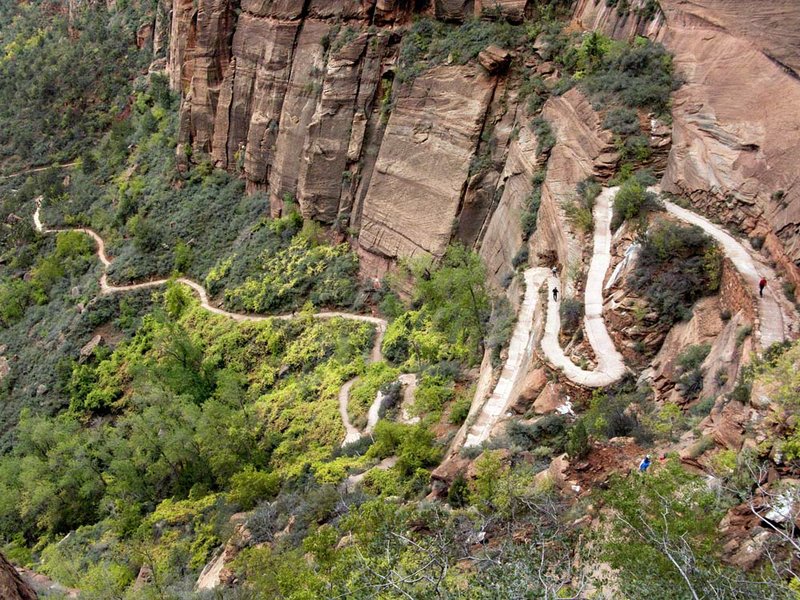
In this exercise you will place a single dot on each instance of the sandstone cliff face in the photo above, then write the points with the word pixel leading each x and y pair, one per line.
pixel 732 156
pixel 583 150
pixel 413 200
pixel 300 98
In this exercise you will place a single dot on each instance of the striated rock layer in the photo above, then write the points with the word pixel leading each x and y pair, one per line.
pixel 300 98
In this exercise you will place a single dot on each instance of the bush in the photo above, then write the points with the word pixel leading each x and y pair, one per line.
pixel 458 493
pixel 632 201
pixel 429 42
pixel 459 411
pixel 689 361
pixel 622 121
pixel 545 137
pixel 520 258
pixel 702 408
pixel 248 487
pixel 571 311
pixel 578 441
pixel 677 266
pixel 548 430
pixel 530 214
pixel 743 333
pixel 638 76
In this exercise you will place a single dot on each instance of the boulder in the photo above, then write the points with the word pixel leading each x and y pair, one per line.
pixel 495 59
pixel 549 400
pixel 12 587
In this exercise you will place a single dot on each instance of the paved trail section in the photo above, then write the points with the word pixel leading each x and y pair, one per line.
pixel 520 347
pixel 610 365
pixel 774 322
pixel 351 433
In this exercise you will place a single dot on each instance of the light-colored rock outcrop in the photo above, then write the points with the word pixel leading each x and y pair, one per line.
pixel 418 183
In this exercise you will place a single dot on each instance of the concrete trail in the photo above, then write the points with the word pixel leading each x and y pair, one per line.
pixel 610 365
pixel 351 433
pixel 519 348
pixel 773 319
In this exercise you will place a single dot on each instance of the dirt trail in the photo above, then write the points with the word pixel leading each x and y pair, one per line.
pixel 352 434
pixel 38 169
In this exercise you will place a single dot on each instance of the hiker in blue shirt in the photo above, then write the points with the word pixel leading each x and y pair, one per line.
pixel 644 464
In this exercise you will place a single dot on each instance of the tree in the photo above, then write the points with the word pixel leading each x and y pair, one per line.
pixel 455 292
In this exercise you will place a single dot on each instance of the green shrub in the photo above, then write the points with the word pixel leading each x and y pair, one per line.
pixel 458 492
pixel 632 201
pixel 530 213
pixel 702 408
pixel 689 361
pixel 459 410
pixel 578 441
pixel 622 121
pixel 430 42
pixel 673 269
pixel 571 311
pixel 520 258
pixel 547 430
pixel 249 487
pixel 637 76
pixel 545 137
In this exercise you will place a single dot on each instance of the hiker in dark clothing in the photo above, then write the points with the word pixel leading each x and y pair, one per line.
pixel 761 285
pixel 555 294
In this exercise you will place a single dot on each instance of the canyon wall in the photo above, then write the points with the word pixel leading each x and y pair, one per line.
pixel 736 118
pixel 306 100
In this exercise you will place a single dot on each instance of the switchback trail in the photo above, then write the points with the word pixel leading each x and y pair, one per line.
pixel 351 433
pixel 773 320
pixel 519 348
pixel 610 366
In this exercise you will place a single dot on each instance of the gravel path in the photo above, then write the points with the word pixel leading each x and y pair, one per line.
pixel 351 433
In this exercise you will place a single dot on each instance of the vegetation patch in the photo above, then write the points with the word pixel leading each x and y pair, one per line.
pixel 677 265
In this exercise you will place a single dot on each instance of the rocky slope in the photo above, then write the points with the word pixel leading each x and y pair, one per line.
pixel 12 587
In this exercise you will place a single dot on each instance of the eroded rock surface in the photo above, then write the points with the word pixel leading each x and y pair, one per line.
pixel 418 184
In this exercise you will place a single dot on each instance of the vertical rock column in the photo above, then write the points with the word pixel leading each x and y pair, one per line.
pixel 319 186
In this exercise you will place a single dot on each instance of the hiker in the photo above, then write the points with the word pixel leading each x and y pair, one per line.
pixel 554 271
pixel 555 294
pixel 644 464
pixel 761 285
